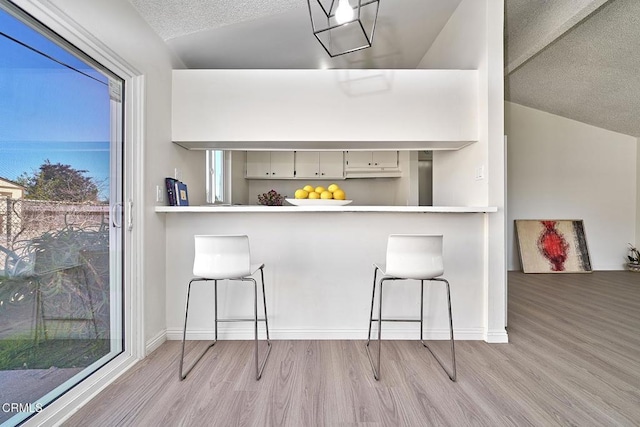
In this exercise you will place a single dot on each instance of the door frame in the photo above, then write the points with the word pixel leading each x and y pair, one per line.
pixel 133 218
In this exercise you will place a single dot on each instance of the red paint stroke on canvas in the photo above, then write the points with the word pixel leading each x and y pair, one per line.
pixel 553 245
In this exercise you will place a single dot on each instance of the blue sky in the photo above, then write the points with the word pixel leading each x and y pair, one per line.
pixel 48 111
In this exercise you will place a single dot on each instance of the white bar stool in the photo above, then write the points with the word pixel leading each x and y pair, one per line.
pixel 226 258
pixel 417 257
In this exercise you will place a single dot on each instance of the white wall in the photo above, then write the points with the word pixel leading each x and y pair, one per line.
pixel 461 45
pixel 563 169
pixel 496 279
pixel 473 39
pixel 117 25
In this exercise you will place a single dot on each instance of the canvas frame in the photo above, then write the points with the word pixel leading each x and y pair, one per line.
pixel 553 246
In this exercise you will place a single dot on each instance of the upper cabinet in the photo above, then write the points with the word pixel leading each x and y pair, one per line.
pixel 270 164
pixel 371 164
pixel 325 109
pixel 322 164
pixel 371 159
pixel 319 164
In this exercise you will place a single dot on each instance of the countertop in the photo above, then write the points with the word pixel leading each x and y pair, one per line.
pixel 347 208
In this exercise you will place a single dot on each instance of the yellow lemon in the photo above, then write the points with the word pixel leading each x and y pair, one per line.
pixel 301 194
pixel 308 188
pixel 339 195
pixel 320 189
pixel 314 195
pixel 333 187
pixel 326 194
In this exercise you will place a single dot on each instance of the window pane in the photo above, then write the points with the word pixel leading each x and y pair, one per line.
pixel 60 255
pixel 216 182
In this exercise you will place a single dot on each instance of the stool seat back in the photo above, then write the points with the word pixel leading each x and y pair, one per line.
pixel 222 257
pixel 414 256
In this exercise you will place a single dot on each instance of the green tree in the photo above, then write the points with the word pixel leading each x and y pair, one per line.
pixel 59 182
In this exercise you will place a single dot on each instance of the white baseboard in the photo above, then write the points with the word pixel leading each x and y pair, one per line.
pixel 155 342
pixel 327 334
pixel 497 337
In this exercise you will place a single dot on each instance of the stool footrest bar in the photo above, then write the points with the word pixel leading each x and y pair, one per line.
pixel 240 320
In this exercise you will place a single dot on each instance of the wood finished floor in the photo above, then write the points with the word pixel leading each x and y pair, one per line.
pixel 573 359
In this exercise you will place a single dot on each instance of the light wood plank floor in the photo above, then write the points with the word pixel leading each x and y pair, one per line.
pixel 573 359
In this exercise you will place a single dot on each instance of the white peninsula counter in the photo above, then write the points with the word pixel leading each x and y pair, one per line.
pixel 319 272
pixel 347 208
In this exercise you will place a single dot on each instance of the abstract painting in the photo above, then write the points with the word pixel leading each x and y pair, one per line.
pixel 553 246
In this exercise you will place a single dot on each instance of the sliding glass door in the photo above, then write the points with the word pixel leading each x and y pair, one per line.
pixel 61 216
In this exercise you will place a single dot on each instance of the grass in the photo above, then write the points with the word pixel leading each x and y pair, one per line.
pixel 59 353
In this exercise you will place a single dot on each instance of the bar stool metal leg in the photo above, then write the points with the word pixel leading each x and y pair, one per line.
pixel 259 366
pixel 421 308
pixel 451 373
pixel 375 366
pixel 255 326
pixel 226 258
pixel 215 306
pixel 255 320
pixel 373 297
pixel 184 334
pixel 377 370
pixel 425 263
pixel 264 303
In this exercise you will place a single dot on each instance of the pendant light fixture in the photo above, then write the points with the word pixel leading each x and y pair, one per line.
pixel 343 26
pixel 344 12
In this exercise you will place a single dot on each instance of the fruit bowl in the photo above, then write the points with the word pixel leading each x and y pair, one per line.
pixel 318 202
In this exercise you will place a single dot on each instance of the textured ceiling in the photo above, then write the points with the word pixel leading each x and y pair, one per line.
pixel 175 18
pixel 590 73
pixel 277 33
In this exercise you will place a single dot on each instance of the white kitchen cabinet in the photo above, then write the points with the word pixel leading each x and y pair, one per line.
pixel 358 159
pixel 371 159
pixel 282 164
pixel 319 164
pixel 258 164
pixel 270 164
pixel 371 164
pixel 385 159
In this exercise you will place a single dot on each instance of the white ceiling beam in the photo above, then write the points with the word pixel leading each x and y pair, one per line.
pixel 549 23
